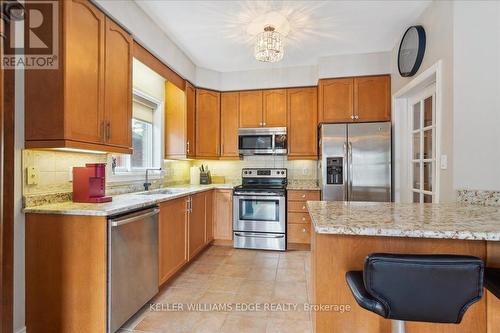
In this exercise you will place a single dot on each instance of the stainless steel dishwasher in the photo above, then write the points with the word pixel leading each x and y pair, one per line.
pixel 132 264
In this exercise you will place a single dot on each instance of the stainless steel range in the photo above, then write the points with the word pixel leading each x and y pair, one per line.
pixel 259 210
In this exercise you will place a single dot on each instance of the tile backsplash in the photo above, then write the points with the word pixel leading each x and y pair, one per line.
pixel 54 172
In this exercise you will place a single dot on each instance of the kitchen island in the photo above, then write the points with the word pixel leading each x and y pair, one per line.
pixel 344 233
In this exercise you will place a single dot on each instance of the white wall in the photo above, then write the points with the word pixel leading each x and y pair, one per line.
pixel 147 33
pixel 354 65
pixel 476 103
pixel 437 21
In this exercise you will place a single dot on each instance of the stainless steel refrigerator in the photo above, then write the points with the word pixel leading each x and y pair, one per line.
pixel 355 162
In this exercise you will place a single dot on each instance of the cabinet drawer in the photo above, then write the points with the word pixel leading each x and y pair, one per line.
pixel 297 206
pixel 302 218
pixel 299 233
pixel 303 195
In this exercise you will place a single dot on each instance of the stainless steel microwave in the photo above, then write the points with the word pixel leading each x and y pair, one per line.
pixel 262 141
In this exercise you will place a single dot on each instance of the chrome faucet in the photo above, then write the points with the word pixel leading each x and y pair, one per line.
pixel 147 184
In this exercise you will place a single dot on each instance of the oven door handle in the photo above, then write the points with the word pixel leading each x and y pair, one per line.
pixel 259 197
pixel 248 234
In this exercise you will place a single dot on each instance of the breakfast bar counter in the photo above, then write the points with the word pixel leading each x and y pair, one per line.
pixel 344 233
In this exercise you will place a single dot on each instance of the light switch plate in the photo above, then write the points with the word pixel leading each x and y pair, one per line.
pixel 32 176
pixel 444 162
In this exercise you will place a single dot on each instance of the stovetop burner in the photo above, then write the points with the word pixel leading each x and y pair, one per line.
pixel 263 180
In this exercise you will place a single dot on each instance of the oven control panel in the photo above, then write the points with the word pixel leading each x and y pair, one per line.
pixel 264 173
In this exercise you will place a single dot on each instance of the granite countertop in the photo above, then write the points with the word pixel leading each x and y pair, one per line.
pixel 447 220
pixel 303 185
pixel 124 202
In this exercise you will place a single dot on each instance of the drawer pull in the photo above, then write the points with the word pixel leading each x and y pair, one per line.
pixel 303 219
pixel 303 229
pixel 303 195
pixel 303 207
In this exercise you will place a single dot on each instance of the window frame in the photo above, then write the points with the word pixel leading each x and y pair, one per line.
pixel 129 173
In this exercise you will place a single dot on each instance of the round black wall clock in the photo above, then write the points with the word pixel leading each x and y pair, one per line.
pixel 411 51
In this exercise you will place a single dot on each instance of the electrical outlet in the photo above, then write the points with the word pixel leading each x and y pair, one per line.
pixel 305 171
pixel 444 162
pixel 32 176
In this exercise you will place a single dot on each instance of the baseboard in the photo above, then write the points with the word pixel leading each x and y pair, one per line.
pixel 21 330
pixel 299 246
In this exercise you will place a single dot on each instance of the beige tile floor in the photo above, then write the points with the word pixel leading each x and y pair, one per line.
pixel 223 275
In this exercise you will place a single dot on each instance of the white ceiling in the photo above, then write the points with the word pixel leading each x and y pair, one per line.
pixel 214 33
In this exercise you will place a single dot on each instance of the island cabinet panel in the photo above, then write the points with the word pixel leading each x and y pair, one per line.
pixel 172 237
pixel 223 215
pixel 302 123
pixel 196 224
pixel 336 100
pixel 65 273
pixel 251 109
pixel 493 303
pixel 86 102
pixel 372 98
pixel 207 123
pixel 274 108
pixel 334 255
pixel 229 117
pixel 118 86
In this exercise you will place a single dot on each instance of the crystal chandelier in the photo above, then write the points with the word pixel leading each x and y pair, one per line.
pixel 269 45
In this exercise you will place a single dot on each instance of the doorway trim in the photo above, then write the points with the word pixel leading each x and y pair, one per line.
pixel 401 141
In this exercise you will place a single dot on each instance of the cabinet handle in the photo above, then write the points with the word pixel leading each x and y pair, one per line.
pixel 187 147
pixel 356 117
pixel 303 229
pixel 303 219
pixel 304 207
pixel 108 131
pixel 264 124
pixel 260 124
pixel 303 195
pixel 352 116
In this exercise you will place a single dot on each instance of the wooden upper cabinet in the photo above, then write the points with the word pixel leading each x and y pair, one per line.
pixel 191 120
pixel 336 100
pixel 207 123
pixel 251 109
pixel 86 102
pixel 302 123
pixel 229 115
pixel 274 113
pixel 372 98
pixel 172 237
pixel 175 122
pixel 84 76
pixel 118 86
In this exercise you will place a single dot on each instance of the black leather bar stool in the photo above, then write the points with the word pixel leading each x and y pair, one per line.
pixel 492 280
pixel 424 288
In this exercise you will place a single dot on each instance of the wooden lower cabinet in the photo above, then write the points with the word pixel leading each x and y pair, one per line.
pixel 196 225
pixel 209 225
pixel 223 215
pixel 65 273
pixel 298 219
pixel 172 237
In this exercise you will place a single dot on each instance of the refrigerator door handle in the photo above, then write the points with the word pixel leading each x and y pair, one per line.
pixel 345 179
pixel 349 158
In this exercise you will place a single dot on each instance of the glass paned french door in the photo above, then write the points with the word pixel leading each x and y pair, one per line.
pixel 423 149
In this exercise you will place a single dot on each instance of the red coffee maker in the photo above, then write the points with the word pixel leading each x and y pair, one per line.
pixel 89 183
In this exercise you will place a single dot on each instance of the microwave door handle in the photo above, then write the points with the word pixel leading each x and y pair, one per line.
pixel 273 143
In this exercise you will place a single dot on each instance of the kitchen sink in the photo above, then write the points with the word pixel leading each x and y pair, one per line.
pixel 163 191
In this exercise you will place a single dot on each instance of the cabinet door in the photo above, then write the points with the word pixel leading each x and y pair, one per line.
pixel 223 215
pixel 172 237
pixel 229 112
pixel 207 123
pixel 302 123
pixel 175 121
pixel 118 86
pixel 209 223
pixel 336 100
pixel 251 108
pixel 84 75
pixel 372 101
pixel 191 120
pixel 274 108
pixel 196 225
